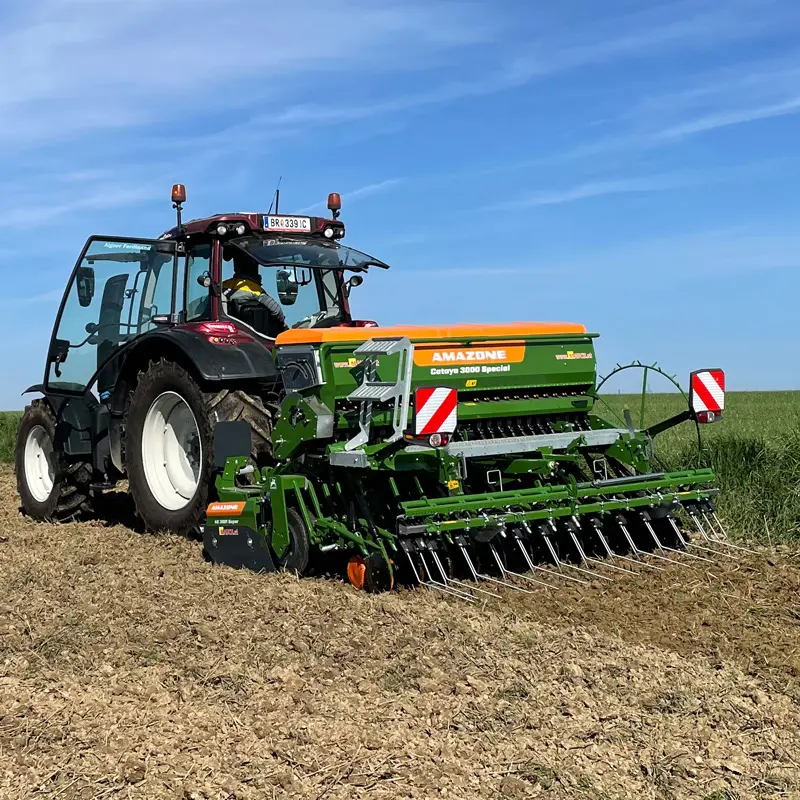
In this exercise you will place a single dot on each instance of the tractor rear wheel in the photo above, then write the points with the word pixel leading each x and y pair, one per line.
pixel 169 435
pixel 50 488
pixel 169 449
pixel 235 405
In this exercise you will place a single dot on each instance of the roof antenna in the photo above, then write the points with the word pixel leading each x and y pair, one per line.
pixel 277 197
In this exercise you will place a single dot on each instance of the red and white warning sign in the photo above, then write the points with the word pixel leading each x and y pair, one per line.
pixel 435 410
pixel 708 391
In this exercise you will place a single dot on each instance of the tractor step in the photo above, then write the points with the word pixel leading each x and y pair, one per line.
pixel 377 392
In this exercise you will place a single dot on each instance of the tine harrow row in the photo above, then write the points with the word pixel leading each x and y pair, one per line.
pixel 475 563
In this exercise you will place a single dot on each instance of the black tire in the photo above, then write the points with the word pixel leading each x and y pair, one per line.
pixel 69 497
pixel 160 377
pixel 379 577
pixel 234 405
pixel 295 559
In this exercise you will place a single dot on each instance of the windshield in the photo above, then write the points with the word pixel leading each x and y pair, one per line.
pixel 306 252
pixel 280 294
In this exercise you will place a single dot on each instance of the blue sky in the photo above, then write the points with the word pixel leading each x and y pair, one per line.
pixel 630 165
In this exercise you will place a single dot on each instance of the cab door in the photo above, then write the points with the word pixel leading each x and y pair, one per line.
pixel 118 289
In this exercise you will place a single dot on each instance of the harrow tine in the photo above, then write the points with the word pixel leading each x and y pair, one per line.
pixel 528 578
pixel 607 547
pixel 558 562
pixel 466 587
pixel 671 549
pixel 714 533
pixel 715 539
pixel 448 581
pixel 582 553
pixel 640 553
pixel 476 576
pixel 465 553
pixel 727 543
pixel 436 585
pixel 503 572
pixel 720 534
pixel 688 544
pixel 533 567
pixel 719 524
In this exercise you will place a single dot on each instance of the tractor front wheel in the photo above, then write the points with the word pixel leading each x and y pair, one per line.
pixel 169 449
pixel 50 488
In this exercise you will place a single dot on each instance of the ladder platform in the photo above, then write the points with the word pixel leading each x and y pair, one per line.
pixel 375 392
pixel 385 347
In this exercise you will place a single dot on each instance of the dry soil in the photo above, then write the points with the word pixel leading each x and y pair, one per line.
pixel 130 668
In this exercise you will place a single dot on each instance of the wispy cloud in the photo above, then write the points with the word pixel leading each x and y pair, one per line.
pixel 583 191
pixel 717 99
pixel 101 195
pixel 712 253
pixel 357 194
pixel 682 26
pixel 726 118
pixel 71 66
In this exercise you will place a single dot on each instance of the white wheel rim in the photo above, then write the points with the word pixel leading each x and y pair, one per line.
pixel 40 473
pixel 172 452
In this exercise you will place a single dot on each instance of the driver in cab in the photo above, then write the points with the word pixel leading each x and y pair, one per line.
pixel 244 288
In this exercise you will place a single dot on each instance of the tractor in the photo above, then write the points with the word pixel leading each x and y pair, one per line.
pixel 218 369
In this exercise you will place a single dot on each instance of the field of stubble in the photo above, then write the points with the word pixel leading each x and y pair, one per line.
pixel 130 668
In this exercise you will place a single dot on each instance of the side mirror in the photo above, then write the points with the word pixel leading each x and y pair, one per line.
pixel 287 287
pixel 84 281
pixel 355 280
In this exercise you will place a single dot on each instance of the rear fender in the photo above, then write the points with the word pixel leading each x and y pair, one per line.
pixel 81 426
pixel 209 361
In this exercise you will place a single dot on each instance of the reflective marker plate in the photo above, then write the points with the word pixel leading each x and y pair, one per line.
pixel 292 224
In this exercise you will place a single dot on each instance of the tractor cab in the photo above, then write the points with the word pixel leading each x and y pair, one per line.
pixel 267 273
pixel 230 279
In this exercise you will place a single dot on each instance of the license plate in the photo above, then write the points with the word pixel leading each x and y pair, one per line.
pixel 292 224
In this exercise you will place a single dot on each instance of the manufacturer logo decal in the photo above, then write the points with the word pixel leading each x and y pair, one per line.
pixel 474 359
pixel 225 509
pixel 351 363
